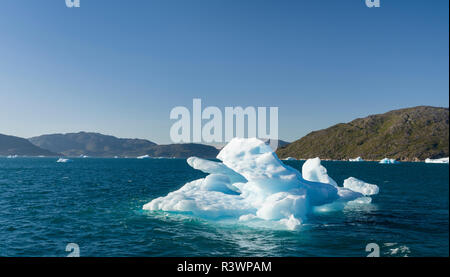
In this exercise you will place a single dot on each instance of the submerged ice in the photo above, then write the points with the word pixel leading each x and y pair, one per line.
pixel 252 184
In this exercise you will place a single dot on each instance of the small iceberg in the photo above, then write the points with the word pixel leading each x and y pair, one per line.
pixel 62 160
pixel 143 157
pixel 290 159
pixel 389 161
pixel 12 156
pixel 252 186
pixel 437 161
pixel 358 159
pixel 84 156
pixel 360 186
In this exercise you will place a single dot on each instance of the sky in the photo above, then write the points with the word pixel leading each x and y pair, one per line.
pixel 118 67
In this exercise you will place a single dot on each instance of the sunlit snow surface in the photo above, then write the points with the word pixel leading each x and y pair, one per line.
pixel 252 185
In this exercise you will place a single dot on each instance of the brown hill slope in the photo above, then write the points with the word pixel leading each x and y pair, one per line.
pixel 407 134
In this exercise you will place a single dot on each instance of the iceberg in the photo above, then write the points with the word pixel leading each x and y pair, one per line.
pixel 62 160
pixel 437 161
pixel 360 186
pixel 143 157
pixel 358 159
pixel 290 159
pixel 12 156
pixel 389 161
pixel 313 171
pixel 250 184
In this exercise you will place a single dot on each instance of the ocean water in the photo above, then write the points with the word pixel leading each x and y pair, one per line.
pixel 97 204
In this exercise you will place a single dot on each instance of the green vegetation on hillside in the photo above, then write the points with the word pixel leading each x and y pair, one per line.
pixel 409 134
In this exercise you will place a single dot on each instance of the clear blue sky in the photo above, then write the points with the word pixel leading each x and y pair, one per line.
pixel 119 66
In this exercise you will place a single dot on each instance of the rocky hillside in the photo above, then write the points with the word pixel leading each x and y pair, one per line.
pixel 10 145
pixel 408 134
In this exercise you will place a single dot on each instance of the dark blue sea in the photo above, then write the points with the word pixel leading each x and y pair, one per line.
pixel 97 204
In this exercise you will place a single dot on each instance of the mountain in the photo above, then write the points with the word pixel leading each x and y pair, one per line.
pixel 10 145
pixel 91 144
pixel 409 134
pixel 183 150
pixel 99 145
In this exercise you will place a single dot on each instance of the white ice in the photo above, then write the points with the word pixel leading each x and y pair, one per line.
pixel 143 157
pixel 251 184
pixel 437 161
pixel 358 159
pixel 62 160
pixel 313 171
pixel 360 186
pixel 290 159
pixel 388 161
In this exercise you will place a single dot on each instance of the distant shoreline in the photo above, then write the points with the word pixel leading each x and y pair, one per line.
pixel 183 158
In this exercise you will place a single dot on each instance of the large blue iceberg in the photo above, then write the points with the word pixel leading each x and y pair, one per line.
pixel 252 184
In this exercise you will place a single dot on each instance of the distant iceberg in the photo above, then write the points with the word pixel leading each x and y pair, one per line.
pixel 84 156
pixel 437 161
pixel 143 157
pixel 12 156
pixel 389 161
pixel 252 186
pixel 290 159
pixel 62 160
pixel 359 159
